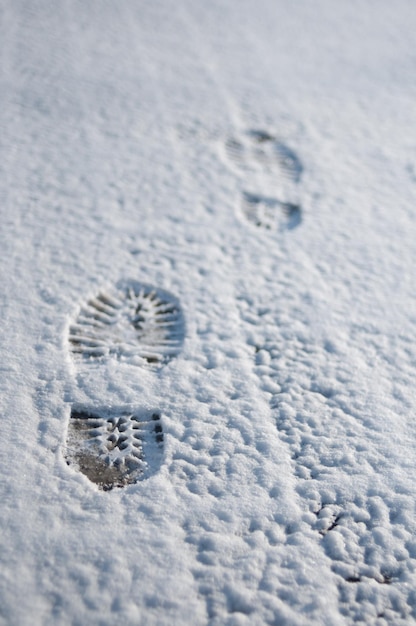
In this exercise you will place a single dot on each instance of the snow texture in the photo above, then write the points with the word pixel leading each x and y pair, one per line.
pixel 208 312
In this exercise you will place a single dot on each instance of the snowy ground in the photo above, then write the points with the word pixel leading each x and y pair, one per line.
pixel 254 163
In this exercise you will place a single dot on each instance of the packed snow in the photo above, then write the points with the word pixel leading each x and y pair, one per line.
pixel 208 312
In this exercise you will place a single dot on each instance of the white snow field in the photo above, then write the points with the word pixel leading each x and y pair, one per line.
pixel 208 363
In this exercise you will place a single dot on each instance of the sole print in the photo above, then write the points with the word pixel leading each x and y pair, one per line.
pixel 139 325
pixel 271 173
pixel 133 322
pixel 361 529
pixel 114 448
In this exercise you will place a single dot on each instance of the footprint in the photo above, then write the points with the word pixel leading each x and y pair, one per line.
pixel 272 172
pixel 260 147
pixel 269 213
pixel 140 325
pixel 114 448
pixel 133 321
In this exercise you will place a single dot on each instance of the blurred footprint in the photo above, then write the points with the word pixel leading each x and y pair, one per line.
pixel 271 172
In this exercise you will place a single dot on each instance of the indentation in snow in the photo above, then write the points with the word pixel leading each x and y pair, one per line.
pixel 114 448
pixel 130 321
pixel 272 172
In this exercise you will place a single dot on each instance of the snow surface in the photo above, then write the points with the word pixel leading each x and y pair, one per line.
pixel 285 493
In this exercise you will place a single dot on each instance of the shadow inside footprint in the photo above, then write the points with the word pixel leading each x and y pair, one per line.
pixel 114 448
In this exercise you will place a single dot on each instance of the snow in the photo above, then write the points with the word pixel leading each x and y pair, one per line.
pixel 253 164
